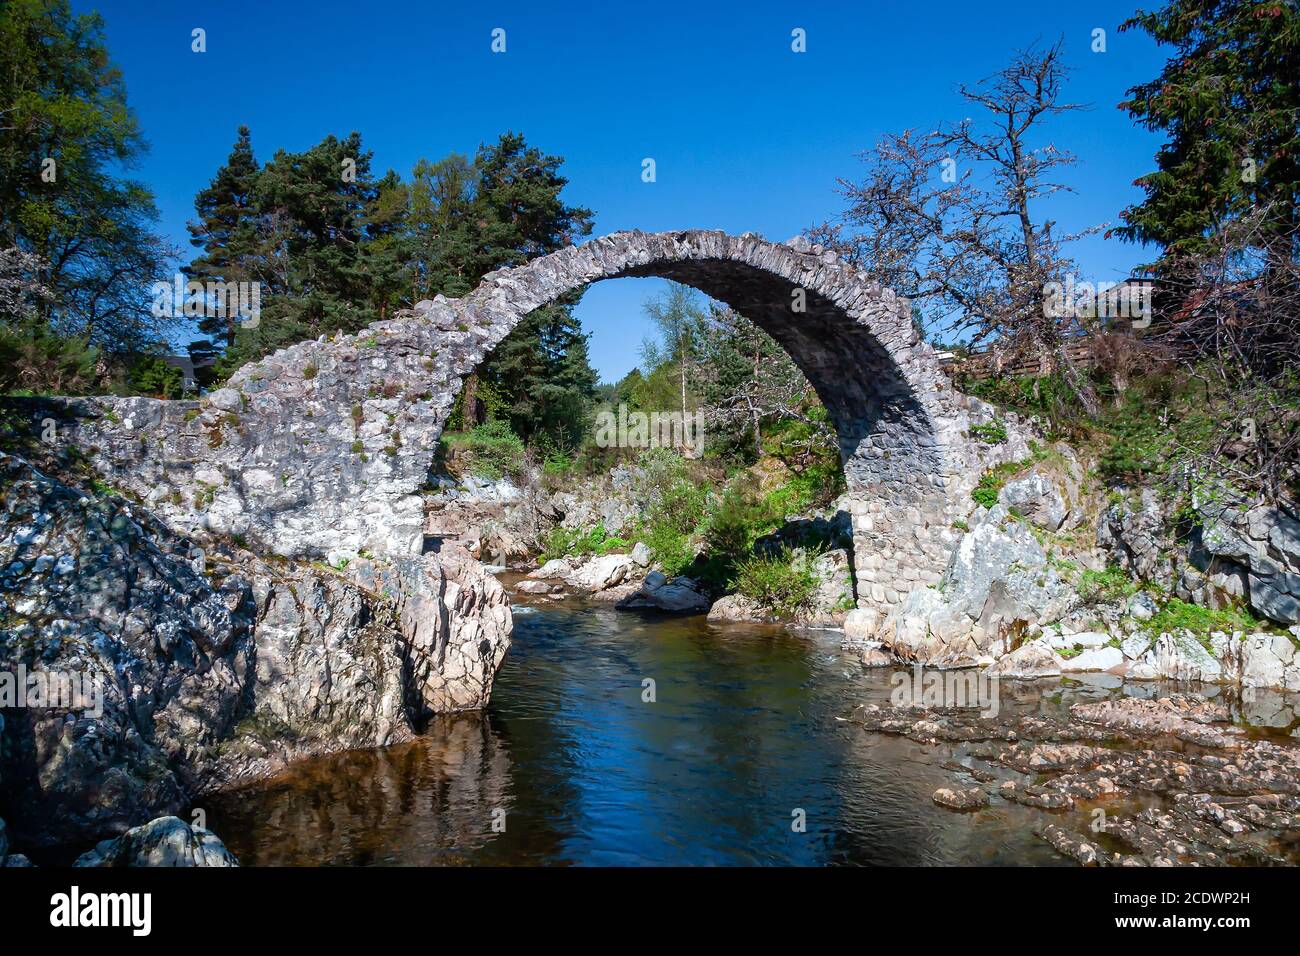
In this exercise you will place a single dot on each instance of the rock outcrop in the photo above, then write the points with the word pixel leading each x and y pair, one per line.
pixel 998 583
pixel 152 671
pixel 1236 552
pixel 98 596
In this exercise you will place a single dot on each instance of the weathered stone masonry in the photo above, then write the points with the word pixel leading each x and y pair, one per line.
pixel 323 447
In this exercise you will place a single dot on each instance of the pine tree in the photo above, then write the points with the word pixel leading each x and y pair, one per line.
pixel 227 232
pixel 1227 99
pixel 317 212
pixel 503 211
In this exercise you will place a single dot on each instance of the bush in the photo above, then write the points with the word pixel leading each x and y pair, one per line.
pixel 149 375
pixel 990 433
pixel 570 542
pixel 1177 615
pixel 493 450
pixel 1105 587
pixel 36 360
pixel 783 582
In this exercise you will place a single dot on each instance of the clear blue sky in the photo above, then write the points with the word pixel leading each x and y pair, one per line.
pixel 746 134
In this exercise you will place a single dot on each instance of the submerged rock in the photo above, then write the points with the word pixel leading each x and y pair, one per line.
pixel 1229 799
pixel 972 798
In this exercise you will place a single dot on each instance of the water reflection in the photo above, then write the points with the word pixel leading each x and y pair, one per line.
pixel 742 739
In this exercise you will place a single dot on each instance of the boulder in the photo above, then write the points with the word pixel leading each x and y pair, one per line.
pixel 875 654
pixel 972 798
pixel 1028 661
pixel 532 587
pixel 641 554
pixel 454 621
pixel 1035 497
pixel 999 574
pixel 164 842
pixel 1142 606
pixel 861 624
pixel 1097 659
pixel 1269 660
pixel 1241 552
pixel 602 573
pixel 996 586
pixel 737 608
pixel 553 569
pixel 1136 539
pixel 680 595
pixel 1177 656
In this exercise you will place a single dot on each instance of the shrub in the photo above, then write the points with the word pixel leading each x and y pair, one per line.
pixel 783 582
pixel 1106 586
pixel 494 450
pixel 990 433
pixel 150 375
pixel 1177 615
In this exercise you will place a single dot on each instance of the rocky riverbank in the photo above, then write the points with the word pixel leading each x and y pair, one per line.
pixel 1050 574
pixel 1123 782
pixel 156 670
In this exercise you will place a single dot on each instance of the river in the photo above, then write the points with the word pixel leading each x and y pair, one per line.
pixel 743 756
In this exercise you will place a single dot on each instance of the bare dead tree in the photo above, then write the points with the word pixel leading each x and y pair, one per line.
pixel 947 219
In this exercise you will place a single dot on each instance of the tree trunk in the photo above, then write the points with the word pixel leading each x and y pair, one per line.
pixel 474 412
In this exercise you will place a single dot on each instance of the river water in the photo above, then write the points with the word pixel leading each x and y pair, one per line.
pixel 742 757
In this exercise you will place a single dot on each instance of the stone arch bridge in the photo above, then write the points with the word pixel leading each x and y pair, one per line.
pixel 324 447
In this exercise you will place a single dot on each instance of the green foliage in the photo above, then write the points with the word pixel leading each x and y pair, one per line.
pixel 1227 95
pixel 1049 398
pixel 1176 615
pixel 62 99
pixel 990 484
pixel 228 232
pixel 1106 586
pixel 676 505
pixel 493 450
pixel 571 542
pixel 990 433
pixel 36 360
pixel 150 375
pixel 784 581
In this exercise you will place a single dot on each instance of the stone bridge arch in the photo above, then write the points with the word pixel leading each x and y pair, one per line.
pixel 323 447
